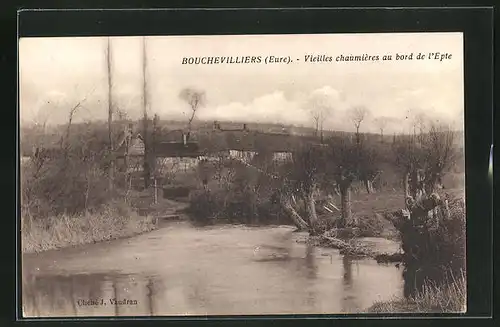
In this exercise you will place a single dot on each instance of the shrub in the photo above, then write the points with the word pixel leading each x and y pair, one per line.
pixel 211 206
pixel 376 226
pixel 203 206
pixel 63 185
pixel 434 246
pixel 234 194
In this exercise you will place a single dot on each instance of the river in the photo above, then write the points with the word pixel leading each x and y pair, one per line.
pixel 179 269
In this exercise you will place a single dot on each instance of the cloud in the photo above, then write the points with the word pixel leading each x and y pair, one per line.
pixel 328 94
pixel 275 107
pixel 269 108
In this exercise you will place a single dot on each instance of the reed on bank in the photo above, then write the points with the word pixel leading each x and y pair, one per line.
pixel 448 297
pixel 110 221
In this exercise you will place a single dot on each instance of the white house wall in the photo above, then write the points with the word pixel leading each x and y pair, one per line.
pixel 243 155
pixel 174 165
pixel 282 156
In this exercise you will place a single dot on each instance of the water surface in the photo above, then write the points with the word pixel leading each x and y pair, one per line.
pixel 182 270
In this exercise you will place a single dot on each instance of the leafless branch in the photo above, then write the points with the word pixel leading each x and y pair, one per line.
pixel 357 115
pixel 72 112
pixel 195 99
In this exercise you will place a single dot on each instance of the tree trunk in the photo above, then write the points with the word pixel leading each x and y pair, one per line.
pixel 406 185
pixel 297 219
pixel 87 191
pixel 337 189
pixel 414 184
pixel 368 186
pixel 303 202
pixel 145 115
pixel 311 208
pixel 430 184
pixel 345 201
pixel 424 205
pixel 110 118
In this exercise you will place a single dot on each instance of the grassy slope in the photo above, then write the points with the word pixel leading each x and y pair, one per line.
pixel 111 222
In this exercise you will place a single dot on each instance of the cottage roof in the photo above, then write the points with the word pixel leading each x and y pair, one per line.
pixel 256 141
pixel 172 136
pixel 177 149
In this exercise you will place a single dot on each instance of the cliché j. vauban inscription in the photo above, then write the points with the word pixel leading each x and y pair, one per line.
pixel 104 302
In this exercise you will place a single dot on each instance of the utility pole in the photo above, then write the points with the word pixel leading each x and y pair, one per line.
pixel 145 108
pixel 110 116
pixel 153 150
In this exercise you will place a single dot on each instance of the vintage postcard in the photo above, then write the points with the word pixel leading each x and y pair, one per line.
pixel 242 174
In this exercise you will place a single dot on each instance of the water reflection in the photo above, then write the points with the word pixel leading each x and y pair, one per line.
pixel 88 295
pixel 216 271
pixel 347 265
pixel 349 303
pixel 312 269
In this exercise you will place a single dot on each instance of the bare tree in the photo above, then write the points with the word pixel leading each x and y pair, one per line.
pixel 154 139
pixel 195 99
pixel 41 119
pixel 441 155
pixel 146 168
pixel 71 115
pixel 110 114
pixel 318 121
pixel 121 114
pixel 303 178
pixel 320 107
pixel 368 163
pixel 417 120
pixel 289 181
pixel 357 115
pixel 343 168
pixel 420 122
pixel 381 123
pixel 424 164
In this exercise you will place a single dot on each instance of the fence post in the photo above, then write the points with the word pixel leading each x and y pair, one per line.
pixel 156 191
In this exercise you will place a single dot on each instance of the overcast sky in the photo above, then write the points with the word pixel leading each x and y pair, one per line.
pixel 56 73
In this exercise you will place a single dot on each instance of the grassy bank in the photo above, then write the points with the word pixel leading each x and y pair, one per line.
pixel 446 298
pixel 111 221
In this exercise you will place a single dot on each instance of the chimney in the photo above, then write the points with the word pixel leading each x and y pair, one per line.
pixel 244 127
pixel 184 138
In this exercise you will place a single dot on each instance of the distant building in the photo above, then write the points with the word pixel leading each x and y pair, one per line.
pixel 246 156
pixel 217 127
pixel 182 149
pixel 165 155
pixel 282 156
pixel 244 144
pixel 175 156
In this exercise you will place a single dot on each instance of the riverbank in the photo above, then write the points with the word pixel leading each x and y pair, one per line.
pixel 448 298
pixel 112 221
pixel 349 242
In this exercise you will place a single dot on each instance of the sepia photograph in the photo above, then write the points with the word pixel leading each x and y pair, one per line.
pixel 229 175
